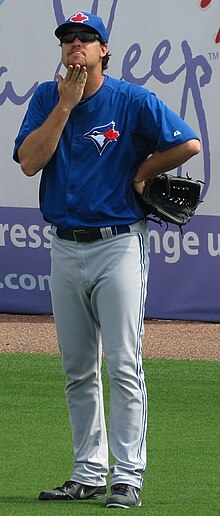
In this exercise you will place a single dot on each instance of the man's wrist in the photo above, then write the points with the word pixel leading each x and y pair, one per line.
pixel 139 181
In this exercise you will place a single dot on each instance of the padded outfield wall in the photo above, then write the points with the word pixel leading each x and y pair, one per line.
pixel 169 47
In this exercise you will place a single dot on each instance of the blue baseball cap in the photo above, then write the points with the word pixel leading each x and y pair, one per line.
pixel 86 20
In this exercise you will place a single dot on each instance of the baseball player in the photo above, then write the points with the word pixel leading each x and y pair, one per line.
pixel 97 139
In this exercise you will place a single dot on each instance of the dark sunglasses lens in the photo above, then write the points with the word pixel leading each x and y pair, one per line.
pixel 83 36
pixel 87 36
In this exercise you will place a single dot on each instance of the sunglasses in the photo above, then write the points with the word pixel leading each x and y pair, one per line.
pixel 84 37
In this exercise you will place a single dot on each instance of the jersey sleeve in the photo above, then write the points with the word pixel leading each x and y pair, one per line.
pixel 160 125
pixel 39 108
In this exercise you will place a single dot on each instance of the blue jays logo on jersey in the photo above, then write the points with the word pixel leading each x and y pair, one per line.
pixel 103 135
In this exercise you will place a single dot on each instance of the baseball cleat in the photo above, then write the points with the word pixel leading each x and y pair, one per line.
pixel 124 496
pixel 74 491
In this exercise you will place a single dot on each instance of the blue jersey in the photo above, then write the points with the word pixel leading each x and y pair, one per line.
pixel 88 180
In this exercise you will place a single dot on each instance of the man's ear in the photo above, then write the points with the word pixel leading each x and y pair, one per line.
pixel 104 49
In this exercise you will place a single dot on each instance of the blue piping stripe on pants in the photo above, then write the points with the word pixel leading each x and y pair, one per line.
pixel 139 369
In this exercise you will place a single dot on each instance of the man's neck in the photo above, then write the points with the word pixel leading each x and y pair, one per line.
pixel 92 86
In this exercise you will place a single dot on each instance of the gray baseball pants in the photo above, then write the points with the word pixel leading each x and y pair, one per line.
pixel 98 296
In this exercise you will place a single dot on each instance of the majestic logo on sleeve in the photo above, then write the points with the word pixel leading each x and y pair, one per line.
pixel 103 135
pixel 79 18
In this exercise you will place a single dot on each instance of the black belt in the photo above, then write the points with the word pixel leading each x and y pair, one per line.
pixel 92 234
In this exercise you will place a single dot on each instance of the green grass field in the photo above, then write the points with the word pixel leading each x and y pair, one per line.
pixel 183 475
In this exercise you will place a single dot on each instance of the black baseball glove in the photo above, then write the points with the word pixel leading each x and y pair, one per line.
pixel 170 199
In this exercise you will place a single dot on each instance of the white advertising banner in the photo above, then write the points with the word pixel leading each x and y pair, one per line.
pixel 169 47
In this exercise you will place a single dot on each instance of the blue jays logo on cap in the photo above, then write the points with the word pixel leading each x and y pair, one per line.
pixel 92 21
pixel 79 18
pixel 103 135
